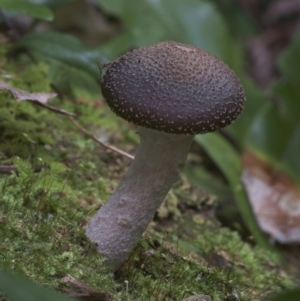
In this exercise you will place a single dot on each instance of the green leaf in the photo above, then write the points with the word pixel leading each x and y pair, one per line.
pixel 242 24
pixel 289 63
pixel 117 46
pixel 228 160
pixel 290 295
pixel 196 22
pixel 65 48
pixel 114 7
pixel 275 135
pixel 255 101
pixel 25 7
pixel 18 288
pixel 70 61
pixel 200 177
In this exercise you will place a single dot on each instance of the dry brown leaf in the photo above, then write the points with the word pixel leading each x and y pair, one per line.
pixel 275 200
pixel 39 98
pixel 20 95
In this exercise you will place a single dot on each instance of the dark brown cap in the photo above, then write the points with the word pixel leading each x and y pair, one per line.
pixel 174 88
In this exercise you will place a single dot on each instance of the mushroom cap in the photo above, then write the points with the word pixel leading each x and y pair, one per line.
pixel 174 88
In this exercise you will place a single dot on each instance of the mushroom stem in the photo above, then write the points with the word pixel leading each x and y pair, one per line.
pixel 119 224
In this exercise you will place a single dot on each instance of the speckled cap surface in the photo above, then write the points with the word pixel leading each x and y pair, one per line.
pixel 174 88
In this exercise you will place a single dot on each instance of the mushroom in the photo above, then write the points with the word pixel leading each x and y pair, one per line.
pixel 171 91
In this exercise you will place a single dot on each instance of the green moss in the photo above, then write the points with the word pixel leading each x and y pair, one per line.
pixel 221 268
pixel 42 215
pixel 257 271
pixel 154 273
pixel 32 78
pixel 42 228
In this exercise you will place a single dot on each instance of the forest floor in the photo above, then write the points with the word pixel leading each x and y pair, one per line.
pixel 53 178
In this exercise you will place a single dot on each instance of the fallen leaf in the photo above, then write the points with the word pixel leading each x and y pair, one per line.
pixel 20 95
pixel 39 98
pixel 275 199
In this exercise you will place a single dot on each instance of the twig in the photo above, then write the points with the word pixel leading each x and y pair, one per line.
pixel 87 292
pixel 42 99
pixel 88 134
pixel 54 109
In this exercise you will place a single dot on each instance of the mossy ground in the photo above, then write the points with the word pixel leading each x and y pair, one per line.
pixel 63 177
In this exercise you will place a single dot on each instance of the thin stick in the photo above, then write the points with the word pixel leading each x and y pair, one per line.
pixel 88 134
pixel 88 291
